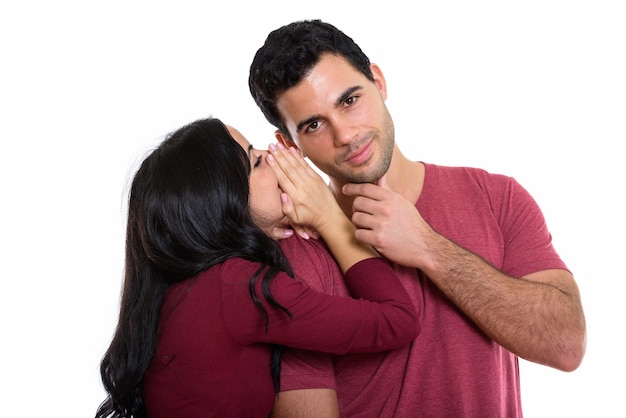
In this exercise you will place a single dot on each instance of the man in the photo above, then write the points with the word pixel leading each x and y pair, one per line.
pixel 474 245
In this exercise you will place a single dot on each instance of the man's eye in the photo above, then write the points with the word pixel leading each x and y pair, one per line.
pixel 350 100
pixel 313 127
pixel 258 161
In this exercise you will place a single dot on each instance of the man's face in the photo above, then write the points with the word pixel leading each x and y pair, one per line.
pixel 339 120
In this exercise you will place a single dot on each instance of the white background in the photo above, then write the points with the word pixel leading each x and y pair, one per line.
pixel 532 89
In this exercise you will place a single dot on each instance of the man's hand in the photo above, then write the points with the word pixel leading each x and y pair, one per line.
pixel 389 223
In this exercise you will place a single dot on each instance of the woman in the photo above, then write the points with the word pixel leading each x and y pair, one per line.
pixel 209 297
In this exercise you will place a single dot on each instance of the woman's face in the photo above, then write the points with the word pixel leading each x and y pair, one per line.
pixel 264 191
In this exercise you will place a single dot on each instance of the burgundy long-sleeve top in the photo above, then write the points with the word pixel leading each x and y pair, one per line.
pixel 213 351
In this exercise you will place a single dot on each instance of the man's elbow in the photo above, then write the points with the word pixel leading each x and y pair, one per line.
pixel 572 356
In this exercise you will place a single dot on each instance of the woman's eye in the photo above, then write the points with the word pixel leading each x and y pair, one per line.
pixel 258 161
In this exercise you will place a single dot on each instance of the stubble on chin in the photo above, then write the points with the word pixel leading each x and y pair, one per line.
pixel 373 172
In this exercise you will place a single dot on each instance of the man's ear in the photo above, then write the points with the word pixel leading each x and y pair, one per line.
pixel 282 138
pixel 379 80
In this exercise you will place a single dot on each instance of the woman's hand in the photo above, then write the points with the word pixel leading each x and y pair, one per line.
pixel 286 230
pixel 307 201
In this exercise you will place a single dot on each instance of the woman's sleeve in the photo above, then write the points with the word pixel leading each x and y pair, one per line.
pixel 380 317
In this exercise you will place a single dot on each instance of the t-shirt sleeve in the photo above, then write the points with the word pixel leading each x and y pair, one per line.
pixel 491 215
pixel 527 240
pixel 304 369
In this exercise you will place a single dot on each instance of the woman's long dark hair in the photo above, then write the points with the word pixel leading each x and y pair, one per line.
pixel 188 210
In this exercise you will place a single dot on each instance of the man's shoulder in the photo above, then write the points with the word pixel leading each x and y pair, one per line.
pixel 313 264
pixel 449 176
pixel 296 246
pixel 463 171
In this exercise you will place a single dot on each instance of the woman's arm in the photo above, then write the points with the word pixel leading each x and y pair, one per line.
pixel 381 316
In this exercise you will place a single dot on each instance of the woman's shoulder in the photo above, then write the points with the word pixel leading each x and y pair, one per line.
pixel 236 268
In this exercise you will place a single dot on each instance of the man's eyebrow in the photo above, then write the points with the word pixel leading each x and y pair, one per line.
pixel 347 94
pixel 342 98
pixel 306 122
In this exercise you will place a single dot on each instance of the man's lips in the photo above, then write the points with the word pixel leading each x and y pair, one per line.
pixel 361 155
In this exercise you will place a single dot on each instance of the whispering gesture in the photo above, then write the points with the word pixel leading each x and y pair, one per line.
pixel 307 200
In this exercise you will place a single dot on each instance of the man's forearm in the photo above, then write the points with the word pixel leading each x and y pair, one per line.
pixel 539 317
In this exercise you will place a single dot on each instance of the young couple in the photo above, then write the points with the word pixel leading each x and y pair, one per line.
pixel 215 316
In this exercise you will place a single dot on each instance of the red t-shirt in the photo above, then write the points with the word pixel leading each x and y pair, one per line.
pixel 451 369
pixel 213 352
